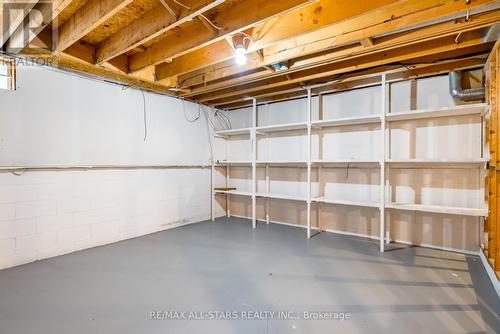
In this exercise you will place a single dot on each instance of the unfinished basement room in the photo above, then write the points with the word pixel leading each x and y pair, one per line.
pixel 249 166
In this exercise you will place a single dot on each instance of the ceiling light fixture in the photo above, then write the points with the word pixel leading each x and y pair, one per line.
pixel 240 55
pixel 240 49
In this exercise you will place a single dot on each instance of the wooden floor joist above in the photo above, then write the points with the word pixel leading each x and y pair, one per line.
pixel 187 48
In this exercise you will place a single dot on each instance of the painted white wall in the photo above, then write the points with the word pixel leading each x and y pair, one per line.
pixel 55 118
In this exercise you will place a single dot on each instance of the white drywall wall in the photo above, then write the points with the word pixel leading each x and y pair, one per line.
pixel 56 118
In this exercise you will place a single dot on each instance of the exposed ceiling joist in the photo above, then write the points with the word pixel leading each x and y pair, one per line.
pixel 78 57
pixel 391 18
pixel 366 77
pixel 309 18
pixel 154 23
pixel 171 8
pixel 91 15
pixel 437 46
pixel 438 30
pixel 366 42
pixel 196 59
pixel 293 43
pixel 241 16
pixel 119 63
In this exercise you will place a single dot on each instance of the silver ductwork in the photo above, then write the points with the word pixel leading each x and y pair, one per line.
pixel 492 34
pixel 459 93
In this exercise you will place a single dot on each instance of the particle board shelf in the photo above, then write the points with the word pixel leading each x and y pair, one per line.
pixel 346 202
pixel 233 132
pixel 369 119
pixel 285 197
pixel 467 109
pixel 475 212
pixel 346 162
pixel 281 127
pixel 437 163
pixel 225 163
pixel 233 192
pixel 301 163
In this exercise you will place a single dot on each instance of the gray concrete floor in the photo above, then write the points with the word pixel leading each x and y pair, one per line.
pixel 227 266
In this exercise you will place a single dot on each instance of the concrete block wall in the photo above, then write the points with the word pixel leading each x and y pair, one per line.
pixel 60 119
pixel 49 213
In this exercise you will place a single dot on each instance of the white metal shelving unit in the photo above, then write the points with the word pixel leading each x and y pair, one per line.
pixel 383 164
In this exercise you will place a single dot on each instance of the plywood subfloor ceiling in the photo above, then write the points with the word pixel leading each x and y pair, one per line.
pixel 185 47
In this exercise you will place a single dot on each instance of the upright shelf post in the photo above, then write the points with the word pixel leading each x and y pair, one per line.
pixel 228 196
pixel 212 204
pixel 268 180
pixel 253 139
pixel 382 162
pixel 309 107
pixel 268 191
pixel 387 156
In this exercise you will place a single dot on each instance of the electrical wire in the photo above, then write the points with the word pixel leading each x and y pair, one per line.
pixel 144 112
pixel 219 120
pixel 182 5
pixel 248 36
pixel 210 137
pixel 211 23
pixel 203 16
pixel 144 115
pixel 185 116
pixel 226 119
pixel 210 120
pixel 226 123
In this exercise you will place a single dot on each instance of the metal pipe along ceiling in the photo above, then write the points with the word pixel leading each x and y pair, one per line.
pixel 457 92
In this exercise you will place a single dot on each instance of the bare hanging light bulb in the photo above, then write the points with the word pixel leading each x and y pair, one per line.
pixel 240 50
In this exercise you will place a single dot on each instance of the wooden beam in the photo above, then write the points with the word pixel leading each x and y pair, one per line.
pixel 91 15
pixel 154 23
pixel 401 15
pixel 16 17
pixel 81 52
pixel 366 42
pixel 186 63
pixel 242 15
pixel 383 43
pixel 472 39
pixel 75 63
pixel 260 55
pixel 492 226
pixel 171 8
pixel 394 73
pixel 119 63
pixel 271 89
pixel 311 17
pixel 270 69
pixel 26 32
